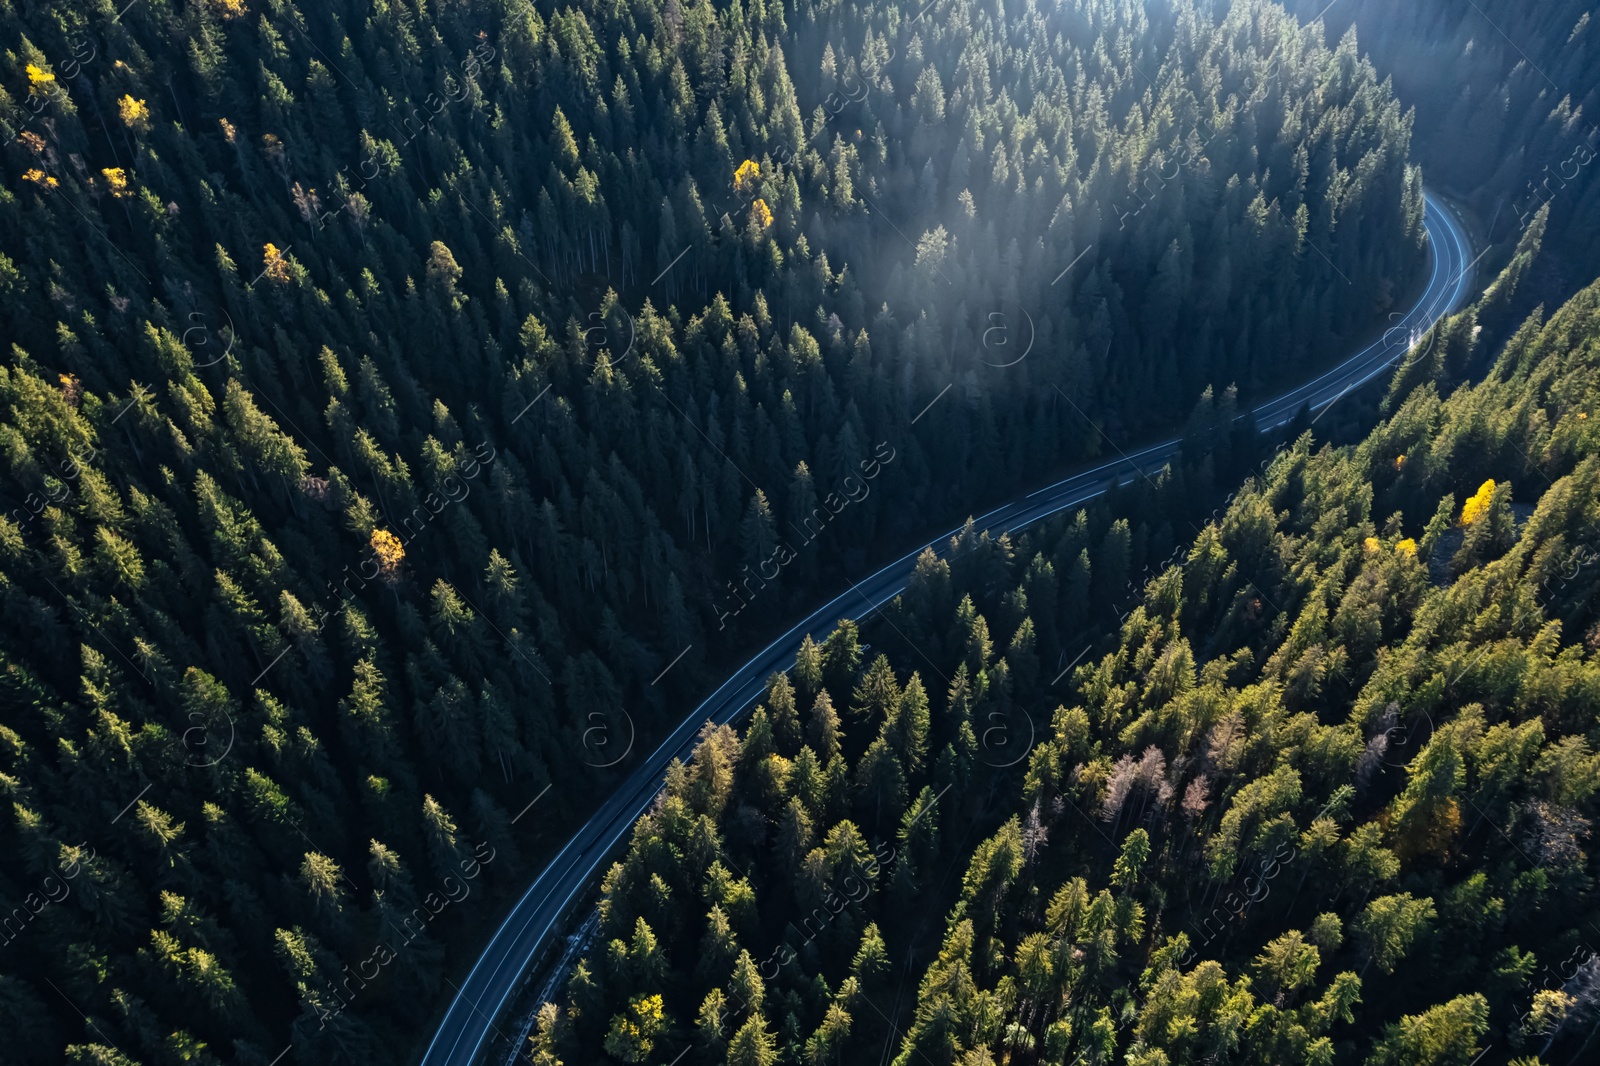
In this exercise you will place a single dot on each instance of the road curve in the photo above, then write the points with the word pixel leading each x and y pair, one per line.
pixel 479 1001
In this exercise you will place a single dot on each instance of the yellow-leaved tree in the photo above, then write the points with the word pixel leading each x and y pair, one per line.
pixel 1478 506
pixel 389 551
pixel 135 114
pixel 632 1035
pixel 274 265
pixel 746 176
pixel 116 181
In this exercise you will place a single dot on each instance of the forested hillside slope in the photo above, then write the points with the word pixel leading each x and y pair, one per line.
pixel 1324 794
pixel 1506 98
pixel 393 391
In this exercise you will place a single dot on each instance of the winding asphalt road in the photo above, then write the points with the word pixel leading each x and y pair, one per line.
pixel 479 1002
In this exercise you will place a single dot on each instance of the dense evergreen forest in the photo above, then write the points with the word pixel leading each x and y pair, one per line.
pixel 1323 793
pixel 1506 97
pixel 393 390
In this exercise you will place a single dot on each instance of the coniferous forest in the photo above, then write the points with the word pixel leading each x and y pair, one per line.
pixel 1323 793
pixel 398 397
pixel 1506 119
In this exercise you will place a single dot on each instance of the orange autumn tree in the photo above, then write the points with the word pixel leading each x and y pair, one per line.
pixel 389 552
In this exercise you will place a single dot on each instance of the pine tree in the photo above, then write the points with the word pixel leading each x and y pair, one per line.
pixel 822 729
